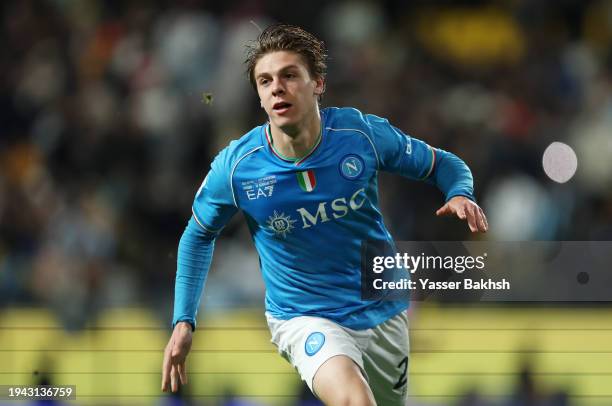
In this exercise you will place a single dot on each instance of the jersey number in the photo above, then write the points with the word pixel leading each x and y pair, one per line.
pixel 403 365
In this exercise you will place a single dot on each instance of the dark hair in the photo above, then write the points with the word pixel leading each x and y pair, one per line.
pixel 285 37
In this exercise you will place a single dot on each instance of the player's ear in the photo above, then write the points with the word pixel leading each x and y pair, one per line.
pixel 261 103
pixel 319 86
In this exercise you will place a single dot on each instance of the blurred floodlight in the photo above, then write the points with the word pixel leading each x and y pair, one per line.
pixel 559 162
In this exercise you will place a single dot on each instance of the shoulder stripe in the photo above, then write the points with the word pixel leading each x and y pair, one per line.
pixel 202 225
pixel 234 170
pixel 433 162
pixel 365 135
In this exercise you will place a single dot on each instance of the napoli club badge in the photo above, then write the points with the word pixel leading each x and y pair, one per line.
pixel 314 343
pixel 351 166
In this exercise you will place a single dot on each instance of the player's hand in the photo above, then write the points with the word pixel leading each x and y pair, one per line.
pixel 465 209
pixel 178 347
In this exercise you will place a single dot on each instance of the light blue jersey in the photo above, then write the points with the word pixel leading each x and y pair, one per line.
pixel 308 217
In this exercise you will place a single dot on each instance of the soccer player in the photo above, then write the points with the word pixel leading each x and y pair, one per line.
pixel 306 182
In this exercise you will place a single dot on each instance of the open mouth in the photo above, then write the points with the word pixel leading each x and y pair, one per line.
pixel 281 107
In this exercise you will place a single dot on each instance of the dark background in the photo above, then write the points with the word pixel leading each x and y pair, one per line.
pixel 106 130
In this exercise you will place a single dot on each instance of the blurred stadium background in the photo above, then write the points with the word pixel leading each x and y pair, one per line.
pixel 111 111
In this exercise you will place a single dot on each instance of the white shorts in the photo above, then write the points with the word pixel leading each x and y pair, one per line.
pixel 381 352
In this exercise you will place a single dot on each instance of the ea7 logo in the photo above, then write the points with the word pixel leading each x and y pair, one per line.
pixel 338 208
pixel 256 188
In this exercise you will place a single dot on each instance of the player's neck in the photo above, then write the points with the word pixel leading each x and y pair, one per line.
pixel 297 141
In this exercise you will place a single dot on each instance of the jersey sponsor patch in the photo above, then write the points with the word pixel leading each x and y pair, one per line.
pixel 258 188
pixel 314 343
pixel 351 166
pixel 281 224
pixel 307 180
pixel 338 208
pixel 408 146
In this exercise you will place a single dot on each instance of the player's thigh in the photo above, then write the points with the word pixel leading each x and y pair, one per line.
pixel 308 342
pixel 340 381
pixel 386 361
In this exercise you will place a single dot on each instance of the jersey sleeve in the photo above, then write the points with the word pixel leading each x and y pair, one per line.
pixel 193 263
pixel 400 153
pixel 212 208
pixel 214 203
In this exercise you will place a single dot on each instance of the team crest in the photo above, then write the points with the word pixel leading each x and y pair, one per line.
pixel 351 166
pixel 313 343
pixel 281 224
pixel 307 180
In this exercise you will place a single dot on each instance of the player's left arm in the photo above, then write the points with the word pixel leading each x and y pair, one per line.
pixel 413 158
pixel 454 178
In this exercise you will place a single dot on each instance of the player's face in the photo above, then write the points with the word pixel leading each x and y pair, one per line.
pixel 287 91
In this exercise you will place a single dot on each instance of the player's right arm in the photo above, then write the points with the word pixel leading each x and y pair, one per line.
pixel 213 207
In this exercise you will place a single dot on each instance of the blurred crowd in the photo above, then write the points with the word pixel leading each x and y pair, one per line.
pixel 111 111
